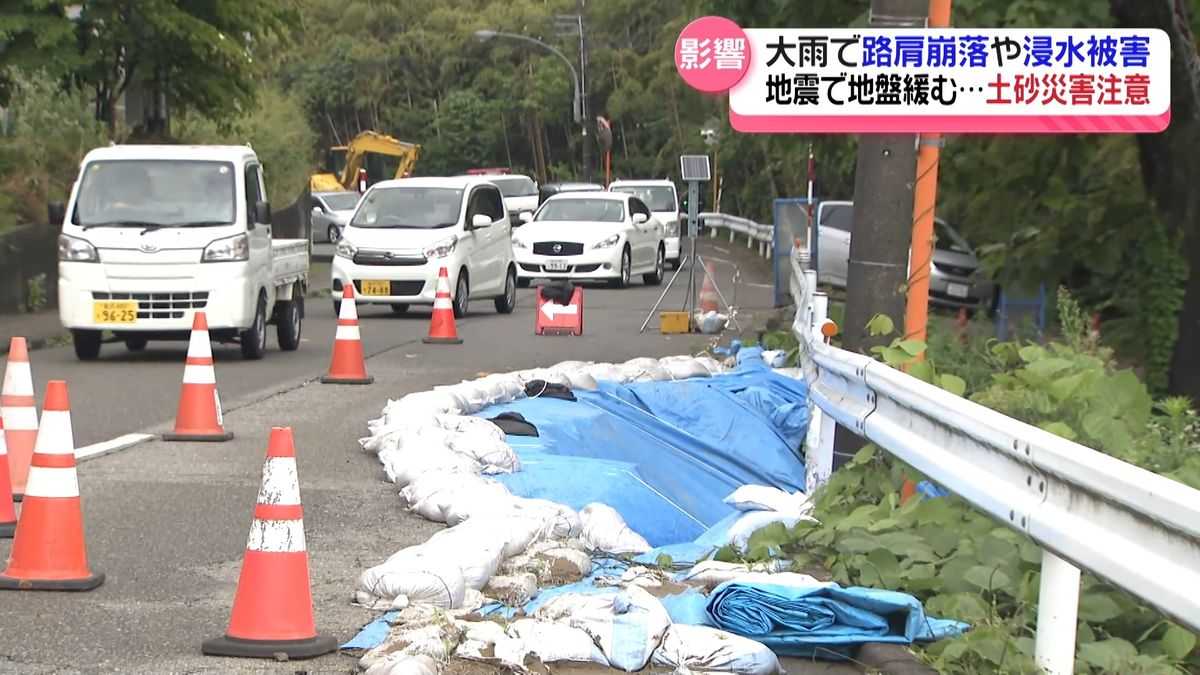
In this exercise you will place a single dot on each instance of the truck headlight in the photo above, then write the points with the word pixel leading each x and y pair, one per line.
pixel 672 228
pixel 229 249
pixel 346 250
pixel 442 248
pixel 610 242
pixel 74 249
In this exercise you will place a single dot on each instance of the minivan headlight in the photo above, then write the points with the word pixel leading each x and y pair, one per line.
pixel 610 242
pixel 229 249
pixel 442 248
pixel 74 249
pixel 346 250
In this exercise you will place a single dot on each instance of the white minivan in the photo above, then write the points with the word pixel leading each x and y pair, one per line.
pixel 404 231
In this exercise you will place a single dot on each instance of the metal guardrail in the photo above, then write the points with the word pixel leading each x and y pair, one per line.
pixel 755 233
pixel 1131 527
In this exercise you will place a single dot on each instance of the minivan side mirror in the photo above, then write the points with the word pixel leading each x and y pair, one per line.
pixel 480 220
pixel 56 213
pixel 639 218
pixel 262 213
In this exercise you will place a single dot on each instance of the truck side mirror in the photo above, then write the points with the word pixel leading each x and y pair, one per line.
pixel 56 213
pixel 262 213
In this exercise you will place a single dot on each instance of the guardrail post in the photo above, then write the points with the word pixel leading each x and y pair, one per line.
pixel 1058 615
pixel 818 442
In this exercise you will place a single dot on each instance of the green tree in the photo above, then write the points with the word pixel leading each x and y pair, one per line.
pixel 36 34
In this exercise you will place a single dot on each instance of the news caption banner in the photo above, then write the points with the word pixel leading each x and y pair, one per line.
pixel 954 80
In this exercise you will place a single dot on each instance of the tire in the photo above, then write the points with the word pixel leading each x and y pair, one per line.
pixel 136 344
pixel 288 324
pixel 462 295
pixel 675 263
pixel 507 302
pixel 254 338
pixel 626 265
pixel 660 264
pixel 87 344
pixel 332 234
pixel 337 307
pixel 400 308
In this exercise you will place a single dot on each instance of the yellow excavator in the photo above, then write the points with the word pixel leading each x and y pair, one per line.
pixel 351 157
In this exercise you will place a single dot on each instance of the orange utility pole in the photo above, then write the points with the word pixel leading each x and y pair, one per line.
pixel 916 313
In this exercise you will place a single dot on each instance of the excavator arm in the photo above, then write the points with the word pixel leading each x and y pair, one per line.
pixel 367 142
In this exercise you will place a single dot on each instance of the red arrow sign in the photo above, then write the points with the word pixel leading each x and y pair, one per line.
pixel 555 319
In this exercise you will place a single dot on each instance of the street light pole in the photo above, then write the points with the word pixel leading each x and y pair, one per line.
pixel 588 173
pixel 578 111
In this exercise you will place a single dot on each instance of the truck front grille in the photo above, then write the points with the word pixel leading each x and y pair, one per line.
pixel 160 305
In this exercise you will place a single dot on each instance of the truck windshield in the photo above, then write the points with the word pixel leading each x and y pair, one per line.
pixel 582 210
pixel 164 193
pixel 420 208
pixel 658 198
pixel 515 186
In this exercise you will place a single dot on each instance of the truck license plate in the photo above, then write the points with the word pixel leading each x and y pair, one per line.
pixel 107 311
pixel 376 287
pixel 956 290
pixel 556 266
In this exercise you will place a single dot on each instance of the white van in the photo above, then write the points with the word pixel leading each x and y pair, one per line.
pixel 404 231
pixel 663 200
pixel 154 233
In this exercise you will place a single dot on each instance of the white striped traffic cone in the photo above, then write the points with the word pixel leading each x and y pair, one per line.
pixel 441 324
pixel 199 415
pixel 19 409
pixel 347 365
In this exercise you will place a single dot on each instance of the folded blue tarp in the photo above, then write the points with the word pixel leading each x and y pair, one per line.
pixel 822 621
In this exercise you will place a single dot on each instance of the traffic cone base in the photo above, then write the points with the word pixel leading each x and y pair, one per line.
pixel 88 583
pixel 347 365
pixel 441 324
pixel 213 438
pixel 199 414
pixel 269 649
pixel 442 340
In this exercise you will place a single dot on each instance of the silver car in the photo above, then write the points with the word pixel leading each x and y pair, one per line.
pixel 330 213
pixel 956 278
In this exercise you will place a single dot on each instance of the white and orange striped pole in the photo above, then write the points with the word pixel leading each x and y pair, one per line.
pixel 199 414
pixel 19 410
pixel 273 610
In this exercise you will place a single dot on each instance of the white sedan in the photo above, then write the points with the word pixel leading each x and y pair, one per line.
pixel 584 236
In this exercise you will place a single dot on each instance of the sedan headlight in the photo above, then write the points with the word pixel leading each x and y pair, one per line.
pixel 610 242
pixel 74 249
pixel 442 249
pixel 346 250
pixel 519 244
pixel 229 249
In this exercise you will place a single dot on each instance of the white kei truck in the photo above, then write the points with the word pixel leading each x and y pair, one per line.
pixel 153 234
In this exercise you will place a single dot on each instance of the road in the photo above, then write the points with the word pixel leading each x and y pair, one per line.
pixel 167 522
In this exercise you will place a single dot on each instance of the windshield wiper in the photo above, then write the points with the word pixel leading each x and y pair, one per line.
pixel 123 223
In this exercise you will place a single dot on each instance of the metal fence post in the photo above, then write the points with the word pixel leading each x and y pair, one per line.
pixel 1058 615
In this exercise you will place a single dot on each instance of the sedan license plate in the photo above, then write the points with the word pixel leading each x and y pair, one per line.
pixel 376 287
pixel 556 266
pixel 956 290
pixel 114 312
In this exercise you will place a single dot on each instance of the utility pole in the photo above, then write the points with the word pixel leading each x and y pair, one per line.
pixel 882 231
pixel 587 117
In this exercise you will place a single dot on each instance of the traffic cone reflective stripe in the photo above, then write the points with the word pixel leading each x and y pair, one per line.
pixel 199 415
pixel 347 365
pixel 441 325
pixel 8 513
pixel 709 302
pixel 48 550
pixel 19 410
pixel 272 610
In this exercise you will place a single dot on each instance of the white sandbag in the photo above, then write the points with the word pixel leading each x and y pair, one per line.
pixel 430 484
pixel 766 498
pixel 713 366
pixel 644 369
pixel 700 648
pixel 513 590
pixel 605 530
pixel 512 533
pixel 571 367
pixel 752 521
pixel 403 664
pixel 563 520
pixel 709 574
pixel 493 455
pixel 683 367
pixel 628 625
pixel 475 426
pixel 634 576
pixel 552 562
pixel 404 468
pixel 604 371
pixel 553 642
pixel 423 403
pixel 440 504
pixel 476 563
pixel 434 640
pixel 478 394
pixel 545 374
pixel 397 583
pixel 487 641
pixel 776 358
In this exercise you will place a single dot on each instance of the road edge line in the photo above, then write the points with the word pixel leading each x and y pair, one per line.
pixel 111 445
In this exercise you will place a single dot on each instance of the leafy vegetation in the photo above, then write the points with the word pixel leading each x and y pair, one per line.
pixel 962 563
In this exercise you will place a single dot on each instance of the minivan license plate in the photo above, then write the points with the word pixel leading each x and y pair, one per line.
pixel 556 266
pixel 956 290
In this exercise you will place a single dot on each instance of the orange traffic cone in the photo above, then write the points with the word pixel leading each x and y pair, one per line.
pixel 199 415
pixel 8 513
pixel 272 611
pixel 441 324
pixel 48 552
pixel 709 301
pixel 347 365
pixel 19 410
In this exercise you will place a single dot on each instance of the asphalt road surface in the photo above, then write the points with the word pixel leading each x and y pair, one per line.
pixel 167 522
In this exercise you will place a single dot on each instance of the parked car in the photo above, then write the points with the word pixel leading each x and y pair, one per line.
pixel 330 213
pixel 956 278
pixel 520 193
pixel 590 236
pixel 152 234
pixel 550 189
pixel 405 230
pixel 663 200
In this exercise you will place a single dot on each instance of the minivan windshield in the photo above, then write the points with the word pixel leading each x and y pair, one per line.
pixel 583 210
pixel 948 239
pixel 515 186
pixel 342 201
pixel 409 207
pixel 657 197
pixel 155 193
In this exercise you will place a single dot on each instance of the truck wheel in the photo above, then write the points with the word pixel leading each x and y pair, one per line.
pixel 87 344
pixel 287 328
pixel 254 338
pixel 136 344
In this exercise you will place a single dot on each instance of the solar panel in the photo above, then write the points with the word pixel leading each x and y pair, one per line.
pixel 695 167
